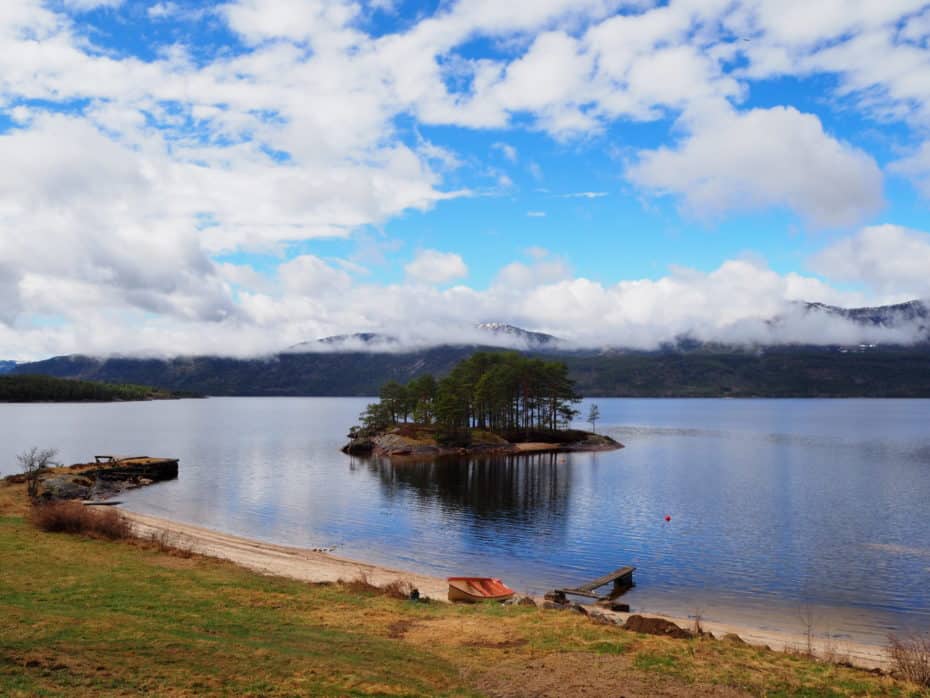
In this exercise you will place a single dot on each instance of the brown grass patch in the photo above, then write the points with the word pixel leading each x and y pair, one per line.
pixel 398 629
pixel 398 589
pixel 74 517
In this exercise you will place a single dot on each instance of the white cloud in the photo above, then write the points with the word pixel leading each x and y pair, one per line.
pixel 917 167
pixel 507 150
pixel 308 275
pixel 536 214
pixel 85 5
pixel 585 195
pixel 892 260
pixel 764 158
pixel 435 267
pixel 300 20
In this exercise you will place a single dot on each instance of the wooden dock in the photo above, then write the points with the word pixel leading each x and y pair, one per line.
pixel 622 579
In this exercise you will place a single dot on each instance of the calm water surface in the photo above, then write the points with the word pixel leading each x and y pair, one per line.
pixel 777 506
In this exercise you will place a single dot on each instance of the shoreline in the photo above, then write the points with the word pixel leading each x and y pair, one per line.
pixel 317 566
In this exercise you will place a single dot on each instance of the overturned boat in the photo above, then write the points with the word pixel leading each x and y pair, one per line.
pixel 474 589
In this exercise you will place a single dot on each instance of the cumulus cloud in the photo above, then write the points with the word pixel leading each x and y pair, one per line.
pixel 435 267
pixel 763 158
pixel 735 303
pixel 892 260
pixel 140 173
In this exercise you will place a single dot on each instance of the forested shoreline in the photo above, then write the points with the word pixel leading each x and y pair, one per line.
pixel 29 388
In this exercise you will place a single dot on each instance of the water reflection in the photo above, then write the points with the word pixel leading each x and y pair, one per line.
pixel 774 503
pixel 514 489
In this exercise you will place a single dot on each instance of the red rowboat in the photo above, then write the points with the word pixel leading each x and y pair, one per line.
pixel 472 589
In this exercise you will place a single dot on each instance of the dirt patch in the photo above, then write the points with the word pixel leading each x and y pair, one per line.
pixel 398 629
pixel 570 674
pixel 500 645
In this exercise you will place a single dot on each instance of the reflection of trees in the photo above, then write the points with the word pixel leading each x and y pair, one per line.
pixel 525 487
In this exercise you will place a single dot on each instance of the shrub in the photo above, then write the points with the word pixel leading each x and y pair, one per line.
pixel 74 517
pixel 910 658
pixel 34 462
pixel 397 589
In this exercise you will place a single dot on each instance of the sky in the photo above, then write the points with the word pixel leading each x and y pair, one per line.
pixel 183 177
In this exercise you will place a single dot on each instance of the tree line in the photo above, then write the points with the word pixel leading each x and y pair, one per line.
pixel 33 388
pixel 502 392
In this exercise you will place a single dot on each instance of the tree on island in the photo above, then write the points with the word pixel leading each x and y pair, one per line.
pixel 500 392
pixel 594 414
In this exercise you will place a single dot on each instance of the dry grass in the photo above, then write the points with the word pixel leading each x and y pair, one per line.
pixel 74 517
pixel 398 589
pixel 911 658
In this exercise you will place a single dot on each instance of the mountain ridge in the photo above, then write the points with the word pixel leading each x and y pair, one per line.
pixel 684 368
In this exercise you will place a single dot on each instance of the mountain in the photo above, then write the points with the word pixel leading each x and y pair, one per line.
pixel 496 334
pixel 7 366
pixel 359 364
pixel 359 341
pixel 521 338
pixel 915 313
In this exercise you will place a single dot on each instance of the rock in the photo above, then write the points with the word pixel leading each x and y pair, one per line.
pixel 520 601
pixel 614 606
pixel 553 606
pixel 64 487
pixel 598 617
pixel 359 447
pixel 578 608
pixel 734 638
pixel 655 626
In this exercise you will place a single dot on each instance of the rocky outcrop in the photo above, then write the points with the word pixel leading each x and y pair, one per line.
pixel 419 442
pixel 96 481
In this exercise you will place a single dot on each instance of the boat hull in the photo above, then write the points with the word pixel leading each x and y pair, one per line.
pixel 475 589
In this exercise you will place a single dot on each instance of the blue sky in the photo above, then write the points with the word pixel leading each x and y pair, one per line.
pixel 238 176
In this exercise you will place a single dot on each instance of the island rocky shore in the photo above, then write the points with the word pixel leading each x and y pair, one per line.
pixel 418 442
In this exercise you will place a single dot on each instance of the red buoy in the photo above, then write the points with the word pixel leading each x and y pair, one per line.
pixel 667 518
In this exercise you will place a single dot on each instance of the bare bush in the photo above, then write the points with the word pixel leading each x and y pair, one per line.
pixel 73 517
pixel 910 658
pixel 398 589
pixel 698 626
pixel 33 463
pixel 807 616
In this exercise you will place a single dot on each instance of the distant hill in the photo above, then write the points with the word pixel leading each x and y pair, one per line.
pixel 7 366
pixel 359 364
pixel 498 334
pixel 777 372
pixel 37 388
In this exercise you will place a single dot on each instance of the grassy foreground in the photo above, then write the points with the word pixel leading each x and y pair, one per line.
pixel 88 617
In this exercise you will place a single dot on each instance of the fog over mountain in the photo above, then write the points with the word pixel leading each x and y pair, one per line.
pixel 798 323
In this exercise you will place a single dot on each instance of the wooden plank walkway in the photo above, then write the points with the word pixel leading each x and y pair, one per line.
pixel 622 579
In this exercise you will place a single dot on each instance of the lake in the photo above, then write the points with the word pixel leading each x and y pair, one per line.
pixel 778 507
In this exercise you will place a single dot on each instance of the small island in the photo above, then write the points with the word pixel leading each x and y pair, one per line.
pixel 490 403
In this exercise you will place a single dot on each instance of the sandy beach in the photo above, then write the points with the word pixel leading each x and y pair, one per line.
pixel 318 567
